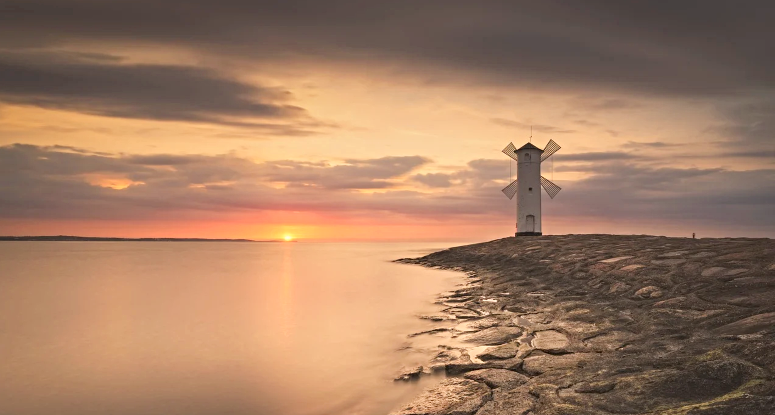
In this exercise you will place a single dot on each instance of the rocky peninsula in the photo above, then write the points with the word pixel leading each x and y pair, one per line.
pixel 603 324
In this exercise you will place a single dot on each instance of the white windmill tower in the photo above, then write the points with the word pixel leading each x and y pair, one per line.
pixel 529 159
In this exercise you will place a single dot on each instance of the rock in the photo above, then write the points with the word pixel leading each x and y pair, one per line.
pixel 551 341
pixel 617 259
pixel 668 262
pixel 673 254
pixel 632 267
pixel 479 324
pixel 712 271
pixel 595 387
pixel 453 396
pixel 492 336
pixel 736 271
pixel 536 365
pixel 497 378
pixel 609 341
pixel 504 351
pixel 409 373
pixel 648 292
pixel 749 325
pixel 704 254
pixel 618 287
pixel 676 302
pixel 508 402
pixel 461 312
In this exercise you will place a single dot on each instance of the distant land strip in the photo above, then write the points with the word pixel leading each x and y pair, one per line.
pixel 68 238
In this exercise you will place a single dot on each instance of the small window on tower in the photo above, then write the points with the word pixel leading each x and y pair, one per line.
pixel 527 156
pixel 529 189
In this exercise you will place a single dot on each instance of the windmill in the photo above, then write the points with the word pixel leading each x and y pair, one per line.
pixel 529 159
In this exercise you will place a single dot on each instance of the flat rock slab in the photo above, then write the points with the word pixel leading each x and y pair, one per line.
pixel 497 378
pixel 617 259
pixel 453 396
pixel 551 341
pixel 749 325
pixel 595 387
pixel 668 262
pixel 479 324
pixel 505 351
pixel 609 341
pixel 508 402
pixel 492 336
pixel 536 365
pixel 648 292
pixel 632 267
pixel 713 271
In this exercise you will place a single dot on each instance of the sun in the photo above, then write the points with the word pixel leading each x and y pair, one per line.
pixel 288 237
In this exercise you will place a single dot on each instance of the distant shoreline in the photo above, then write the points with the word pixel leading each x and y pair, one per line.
pixel 68 238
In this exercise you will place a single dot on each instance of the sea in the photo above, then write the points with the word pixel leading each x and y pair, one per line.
pixel 212 328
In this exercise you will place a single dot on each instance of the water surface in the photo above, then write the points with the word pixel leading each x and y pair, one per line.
pixel 209 328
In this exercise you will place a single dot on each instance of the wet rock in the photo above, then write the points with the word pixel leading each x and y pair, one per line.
pixel 480 324
pixel 492 336
pixel 551 341
pixel 497 378
pixel 749 325
pixel 536 365
pixel 409 373
pixel 453 396
pixel 595 387
pixel 461 312
pixel 648 292
pixel 508 402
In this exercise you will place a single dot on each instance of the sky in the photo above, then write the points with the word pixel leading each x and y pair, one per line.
pixel 352 120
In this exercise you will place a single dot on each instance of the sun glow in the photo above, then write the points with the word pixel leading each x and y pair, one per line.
pixel 288 237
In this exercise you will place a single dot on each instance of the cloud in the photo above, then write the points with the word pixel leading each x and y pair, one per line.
pixel 596 156
pixel 526 126
pixel 749 125
pixel 65 183
pixel 153 92
pixel 689 48
pixel 652 144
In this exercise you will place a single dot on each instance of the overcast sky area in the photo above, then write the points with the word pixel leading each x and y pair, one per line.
pixel 353 120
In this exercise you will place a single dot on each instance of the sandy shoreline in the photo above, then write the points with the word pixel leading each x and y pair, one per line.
pixel 602 324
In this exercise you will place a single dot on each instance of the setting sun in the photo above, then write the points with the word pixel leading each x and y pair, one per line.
pixel 288 237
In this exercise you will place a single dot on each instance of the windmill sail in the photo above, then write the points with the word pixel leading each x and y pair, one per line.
pixel 551 188
pixel 511 151
pixel 510 190
pixel 551 148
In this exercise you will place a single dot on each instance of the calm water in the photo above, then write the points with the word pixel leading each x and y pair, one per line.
pixel 209 328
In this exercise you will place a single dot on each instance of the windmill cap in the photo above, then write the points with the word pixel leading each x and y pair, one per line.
pixel 528 146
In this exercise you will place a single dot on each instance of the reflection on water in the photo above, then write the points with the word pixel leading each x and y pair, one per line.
pixel 208 328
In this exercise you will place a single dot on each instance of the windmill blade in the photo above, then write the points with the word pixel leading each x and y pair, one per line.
pixel 551 148
pixel 511 151
pixel 551 188
pixel 510 190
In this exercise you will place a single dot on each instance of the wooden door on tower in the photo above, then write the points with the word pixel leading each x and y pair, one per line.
pixel 531 223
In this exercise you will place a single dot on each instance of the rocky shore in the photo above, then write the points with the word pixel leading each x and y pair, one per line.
pixel 603 324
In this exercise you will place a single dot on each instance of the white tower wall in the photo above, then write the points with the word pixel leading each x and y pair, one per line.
pixel 529 191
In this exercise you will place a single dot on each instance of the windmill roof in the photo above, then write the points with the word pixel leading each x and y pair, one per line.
pixel 529 146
